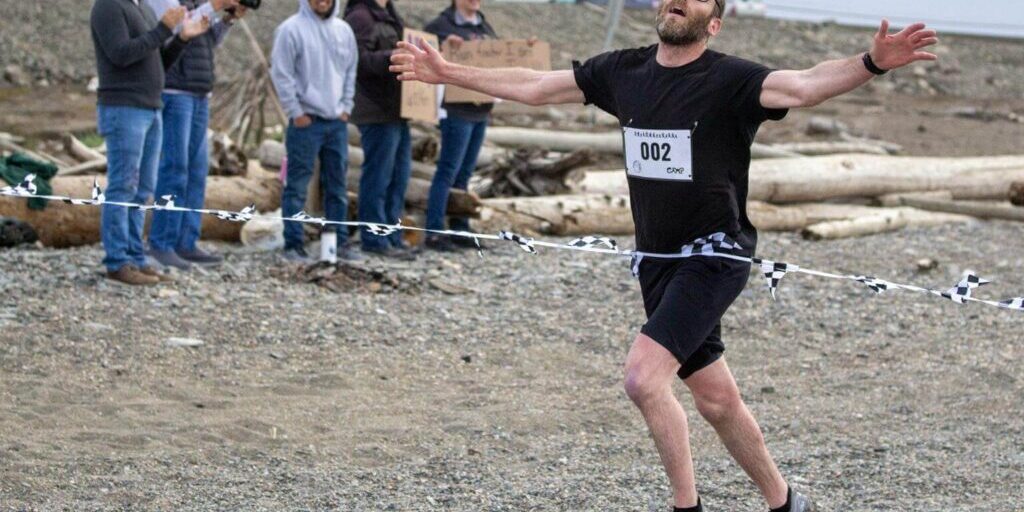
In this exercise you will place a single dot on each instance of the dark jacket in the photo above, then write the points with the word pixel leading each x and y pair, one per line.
pixel 445 25
pixel 194 70
pixel 378 91
pixel 130 53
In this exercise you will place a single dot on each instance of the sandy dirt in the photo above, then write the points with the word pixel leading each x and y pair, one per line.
pixel 505 398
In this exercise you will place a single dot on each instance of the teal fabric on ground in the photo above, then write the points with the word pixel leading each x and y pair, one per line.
pixel 14 168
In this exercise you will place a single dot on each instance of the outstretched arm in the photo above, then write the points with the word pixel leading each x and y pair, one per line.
pixel 809 87
pixel 532 87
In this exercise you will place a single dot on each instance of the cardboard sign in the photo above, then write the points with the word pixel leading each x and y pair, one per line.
pixel 419 100
pixel 494 53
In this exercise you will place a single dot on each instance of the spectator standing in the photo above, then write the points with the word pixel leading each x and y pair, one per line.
pixel 385 135
pixel 185 162
pixel 463 126
pixel 132 51
pixel 313 67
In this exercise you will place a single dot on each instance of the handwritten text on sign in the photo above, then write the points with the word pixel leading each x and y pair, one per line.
pixel 505 53
pixel 419 100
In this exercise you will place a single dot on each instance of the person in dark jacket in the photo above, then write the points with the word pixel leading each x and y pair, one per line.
pixel 387 148
pixel 184 162
pixel 463 126
pixel 132 51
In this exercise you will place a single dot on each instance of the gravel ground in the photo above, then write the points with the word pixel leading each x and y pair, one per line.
pixel 504 398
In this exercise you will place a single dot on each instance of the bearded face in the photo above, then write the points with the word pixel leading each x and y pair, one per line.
pixel 683 23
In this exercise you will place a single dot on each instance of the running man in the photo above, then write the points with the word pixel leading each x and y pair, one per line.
pixel 689 116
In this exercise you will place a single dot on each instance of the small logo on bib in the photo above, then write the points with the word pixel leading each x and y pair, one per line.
pixel 658 154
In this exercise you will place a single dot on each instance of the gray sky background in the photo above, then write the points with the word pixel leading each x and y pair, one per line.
pixel 985 17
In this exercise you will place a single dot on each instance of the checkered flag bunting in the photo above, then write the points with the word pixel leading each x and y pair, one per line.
pixel 26 188
pixel 476 241
pixel 97 197
pixel 163 202
pixel 716 245
pixel 588 242
pixel 876 285
pixel 383 229
pixel 773 272
pixel 525 244
pixel 245 215
pixel 709 245
pixel 305 217
pixel 962 291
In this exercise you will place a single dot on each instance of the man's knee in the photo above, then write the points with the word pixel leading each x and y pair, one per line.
pixel 641 386
pixel 718 404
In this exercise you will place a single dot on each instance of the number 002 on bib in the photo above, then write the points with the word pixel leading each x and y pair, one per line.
pixel 658 154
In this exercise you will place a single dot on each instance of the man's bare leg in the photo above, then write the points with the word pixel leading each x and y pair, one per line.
pixel 718 400
pixel 650 372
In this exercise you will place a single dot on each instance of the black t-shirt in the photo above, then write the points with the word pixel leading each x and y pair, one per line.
pixel 717 98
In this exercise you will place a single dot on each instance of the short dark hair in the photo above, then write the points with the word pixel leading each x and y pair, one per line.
pixel 719 8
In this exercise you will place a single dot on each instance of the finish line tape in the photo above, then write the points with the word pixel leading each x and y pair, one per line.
pixel 717 245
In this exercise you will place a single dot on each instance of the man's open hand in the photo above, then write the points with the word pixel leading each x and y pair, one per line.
pixel 902 48
pixel 173 17
pixel 423 63
pixel 193 27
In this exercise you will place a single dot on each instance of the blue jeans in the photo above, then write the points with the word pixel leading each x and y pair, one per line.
pixel 184 164
pixel 460 146
pixel 328 139
pixel 387 165
pixel 133 152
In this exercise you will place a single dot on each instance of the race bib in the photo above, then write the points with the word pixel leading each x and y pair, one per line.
pixel 658 154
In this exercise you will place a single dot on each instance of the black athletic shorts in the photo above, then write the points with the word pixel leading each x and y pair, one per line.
pixel 685 300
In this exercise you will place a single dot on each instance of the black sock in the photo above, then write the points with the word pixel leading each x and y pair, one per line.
pixel 697 508
pixel 789 500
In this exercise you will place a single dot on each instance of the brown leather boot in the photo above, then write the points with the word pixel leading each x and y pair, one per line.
pixel 150 271
pixel 128 274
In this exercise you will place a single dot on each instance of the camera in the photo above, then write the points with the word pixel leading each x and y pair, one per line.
pixel 248 4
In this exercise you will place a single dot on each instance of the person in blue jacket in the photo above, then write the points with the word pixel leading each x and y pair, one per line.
pixel 462 130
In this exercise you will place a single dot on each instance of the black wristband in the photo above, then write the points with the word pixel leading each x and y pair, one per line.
pixel 870 64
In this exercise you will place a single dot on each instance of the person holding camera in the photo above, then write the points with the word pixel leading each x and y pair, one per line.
pixel 463 126
pixel 133 49
pixel 313 66
pixel 386 141
pixel 185 162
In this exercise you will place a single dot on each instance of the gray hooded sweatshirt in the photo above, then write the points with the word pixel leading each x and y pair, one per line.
pixel 313 64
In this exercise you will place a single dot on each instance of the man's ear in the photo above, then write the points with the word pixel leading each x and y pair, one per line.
pixel 714 26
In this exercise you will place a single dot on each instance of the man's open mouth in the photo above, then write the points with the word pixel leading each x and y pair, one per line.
pixel 677 11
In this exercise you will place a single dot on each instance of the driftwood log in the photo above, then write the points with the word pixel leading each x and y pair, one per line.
pixel 558 215
pixel 896 200
pixel 881 221
pixel 812 179
pixel 532 172
pixel 610 215
pixel 226 157
pixel 979 209
pixel 831 148
pixel 84 168
pixel 63 225
pixel 602 143
pixel 1017 193
pixel 79 150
